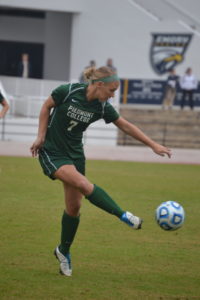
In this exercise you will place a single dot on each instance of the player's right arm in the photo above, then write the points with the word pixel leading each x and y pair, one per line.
pixel 43 123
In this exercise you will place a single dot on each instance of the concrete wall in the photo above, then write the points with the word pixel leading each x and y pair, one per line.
pixel 106 28
pixel 57 46
pixel 54 32
pixel 119 30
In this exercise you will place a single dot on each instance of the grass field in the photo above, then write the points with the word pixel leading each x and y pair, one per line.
pixel 110 260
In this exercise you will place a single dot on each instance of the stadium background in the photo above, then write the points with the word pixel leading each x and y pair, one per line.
pixel 74 32
pixel 63 37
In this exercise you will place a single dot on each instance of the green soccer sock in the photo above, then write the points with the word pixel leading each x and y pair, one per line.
pixel 102 200
pixel 68 232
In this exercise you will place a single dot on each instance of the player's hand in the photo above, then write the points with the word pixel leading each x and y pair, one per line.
pixel 161 150
pixel 36 146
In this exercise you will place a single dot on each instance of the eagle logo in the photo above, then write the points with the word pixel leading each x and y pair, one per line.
pixel 168 50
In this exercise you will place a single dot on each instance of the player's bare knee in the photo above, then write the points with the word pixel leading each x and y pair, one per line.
pixel 84 187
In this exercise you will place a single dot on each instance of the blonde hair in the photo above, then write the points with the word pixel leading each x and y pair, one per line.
pixel 93 73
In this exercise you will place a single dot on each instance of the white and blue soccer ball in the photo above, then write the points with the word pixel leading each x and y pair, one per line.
pixel 170 215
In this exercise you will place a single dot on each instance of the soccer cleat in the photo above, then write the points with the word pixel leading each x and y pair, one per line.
pixel 131 220
pixel 65 262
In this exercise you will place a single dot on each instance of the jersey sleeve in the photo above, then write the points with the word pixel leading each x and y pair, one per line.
pixel 110 114
pixel 60 93
pixel 1 97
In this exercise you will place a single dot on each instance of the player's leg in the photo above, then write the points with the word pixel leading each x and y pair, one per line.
pixel 69 226
pixel 70 218
pixel 101 199
pixel 96 195
pixel 69 175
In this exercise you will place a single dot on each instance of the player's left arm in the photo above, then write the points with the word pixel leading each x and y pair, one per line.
pixel 136 133
pixel 5 108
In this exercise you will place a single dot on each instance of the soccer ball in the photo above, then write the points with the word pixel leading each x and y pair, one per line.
pixel 170 215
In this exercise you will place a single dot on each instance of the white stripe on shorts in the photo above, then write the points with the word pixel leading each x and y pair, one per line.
pixel 49 161
pixel 44 163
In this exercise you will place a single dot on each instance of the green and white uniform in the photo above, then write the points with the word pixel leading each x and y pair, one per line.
pixel 70 118
pixel 1 98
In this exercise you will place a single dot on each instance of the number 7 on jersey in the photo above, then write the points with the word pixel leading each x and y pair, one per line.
pixel 72 124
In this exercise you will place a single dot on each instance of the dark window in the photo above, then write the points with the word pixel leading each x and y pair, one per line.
pixel 10 53
pixel 22 13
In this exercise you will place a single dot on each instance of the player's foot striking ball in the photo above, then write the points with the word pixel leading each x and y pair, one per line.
pixel 131 220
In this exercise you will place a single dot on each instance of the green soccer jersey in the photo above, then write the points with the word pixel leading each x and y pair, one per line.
pixel 71 117
pixel 1 97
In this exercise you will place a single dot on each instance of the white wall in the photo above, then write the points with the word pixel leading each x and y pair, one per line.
pixel 54 32
pixel 119 30
pixel 109 28
pixel 57 46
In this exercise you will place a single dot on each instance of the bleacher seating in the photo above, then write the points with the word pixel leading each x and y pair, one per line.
pixel 176 128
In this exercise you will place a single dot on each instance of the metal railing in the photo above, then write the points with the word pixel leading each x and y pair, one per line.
pixel 162 133
pixel 25 129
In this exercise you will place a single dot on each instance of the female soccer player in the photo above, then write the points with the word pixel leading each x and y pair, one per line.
pixel 61 155
pixel 5 105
